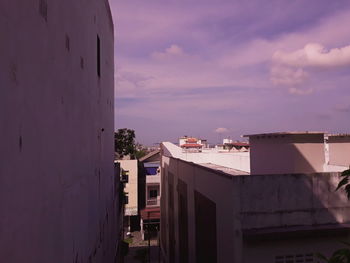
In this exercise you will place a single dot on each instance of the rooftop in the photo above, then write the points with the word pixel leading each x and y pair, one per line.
pixel 188 145
pixel 224 169
pixel 285 133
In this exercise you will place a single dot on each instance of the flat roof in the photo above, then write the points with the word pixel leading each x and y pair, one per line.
pixel 339 135
pixel 224 169
pixel 285 133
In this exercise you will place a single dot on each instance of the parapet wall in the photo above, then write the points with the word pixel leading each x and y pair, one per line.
pixel 269 201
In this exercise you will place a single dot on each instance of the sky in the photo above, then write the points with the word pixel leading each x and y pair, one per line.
pixel 223 68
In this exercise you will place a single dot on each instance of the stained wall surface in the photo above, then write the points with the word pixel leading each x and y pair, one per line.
pixel 339 149
pixel 57 185
pixel 256 218
pixel 287 153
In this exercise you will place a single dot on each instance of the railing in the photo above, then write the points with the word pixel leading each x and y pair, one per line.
pixel 153 202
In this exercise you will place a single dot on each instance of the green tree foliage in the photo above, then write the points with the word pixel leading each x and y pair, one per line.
pixel 341 255
pixel 344 182
pixel 124 142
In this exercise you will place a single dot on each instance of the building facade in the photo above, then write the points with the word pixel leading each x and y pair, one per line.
pixel 216 215
pixel 58 190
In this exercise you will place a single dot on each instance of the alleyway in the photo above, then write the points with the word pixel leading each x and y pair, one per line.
pixel 138 250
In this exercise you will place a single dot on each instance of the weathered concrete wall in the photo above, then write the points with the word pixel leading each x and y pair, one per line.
pixel 287 153
pixel 216 188
pixel 258 217
pixel 57 194
pixel 269 201
pixel 339 150
pixel 292 249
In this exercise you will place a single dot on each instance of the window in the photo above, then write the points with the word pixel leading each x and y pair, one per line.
pixel 298 258
pixel 126 198
pixel 98 56
pixel 125 176
pixel 153 194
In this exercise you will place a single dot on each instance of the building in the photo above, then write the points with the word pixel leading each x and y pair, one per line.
pixel 192 144
pixel 298 152
pixel 150 216
pixel 59 194
pixel 287 152
pixel 214 213
pixel 339 149
pixel 133 177
pixel 236 146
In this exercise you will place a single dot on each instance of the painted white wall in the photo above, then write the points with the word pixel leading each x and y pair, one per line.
pixel 235 160
pixel 57 196
pixel 131 187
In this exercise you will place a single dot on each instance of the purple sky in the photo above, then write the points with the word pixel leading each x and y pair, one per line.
pixel 191 67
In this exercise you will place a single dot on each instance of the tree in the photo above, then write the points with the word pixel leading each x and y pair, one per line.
pixel 340 255
pixel 344 182
pixel 124 142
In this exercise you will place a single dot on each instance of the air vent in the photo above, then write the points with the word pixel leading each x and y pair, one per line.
pixel 298 258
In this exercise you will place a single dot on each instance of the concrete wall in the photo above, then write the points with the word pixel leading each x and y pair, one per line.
pixel 269 201
pixel 287 153
pixel 202 180
pixel 339 150
pixel 57 194
pixel 131 187
pixel 258 217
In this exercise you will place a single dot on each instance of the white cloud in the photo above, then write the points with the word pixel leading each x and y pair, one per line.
pixel 290 68
pixel 221 130
pixel 314 55
pixel 282 75
pixel 170 52
pixel 298 91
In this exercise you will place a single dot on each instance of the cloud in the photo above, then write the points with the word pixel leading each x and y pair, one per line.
pixel 282 75
pixel 298 91
pixel 342 108
pixel 289 68
pixel 314 55
pixel 221 130
pixel 170 52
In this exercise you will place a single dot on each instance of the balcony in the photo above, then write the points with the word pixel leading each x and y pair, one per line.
pixel 152 202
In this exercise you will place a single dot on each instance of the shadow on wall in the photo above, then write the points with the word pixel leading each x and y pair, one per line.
pixel 294 156
pixel 257 218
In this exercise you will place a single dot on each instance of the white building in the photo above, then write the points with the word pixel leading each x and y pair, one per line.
pixel 58 192
pixel 212 212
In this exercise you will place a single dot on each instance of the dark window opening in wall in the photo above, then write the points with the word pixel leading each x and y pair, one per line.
pixel 67 43
pixel 125 176
pixel 205 226
pixel 153 193
pixel 98 56
pixel 82 62
pixel 126 198
pixel 43 9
